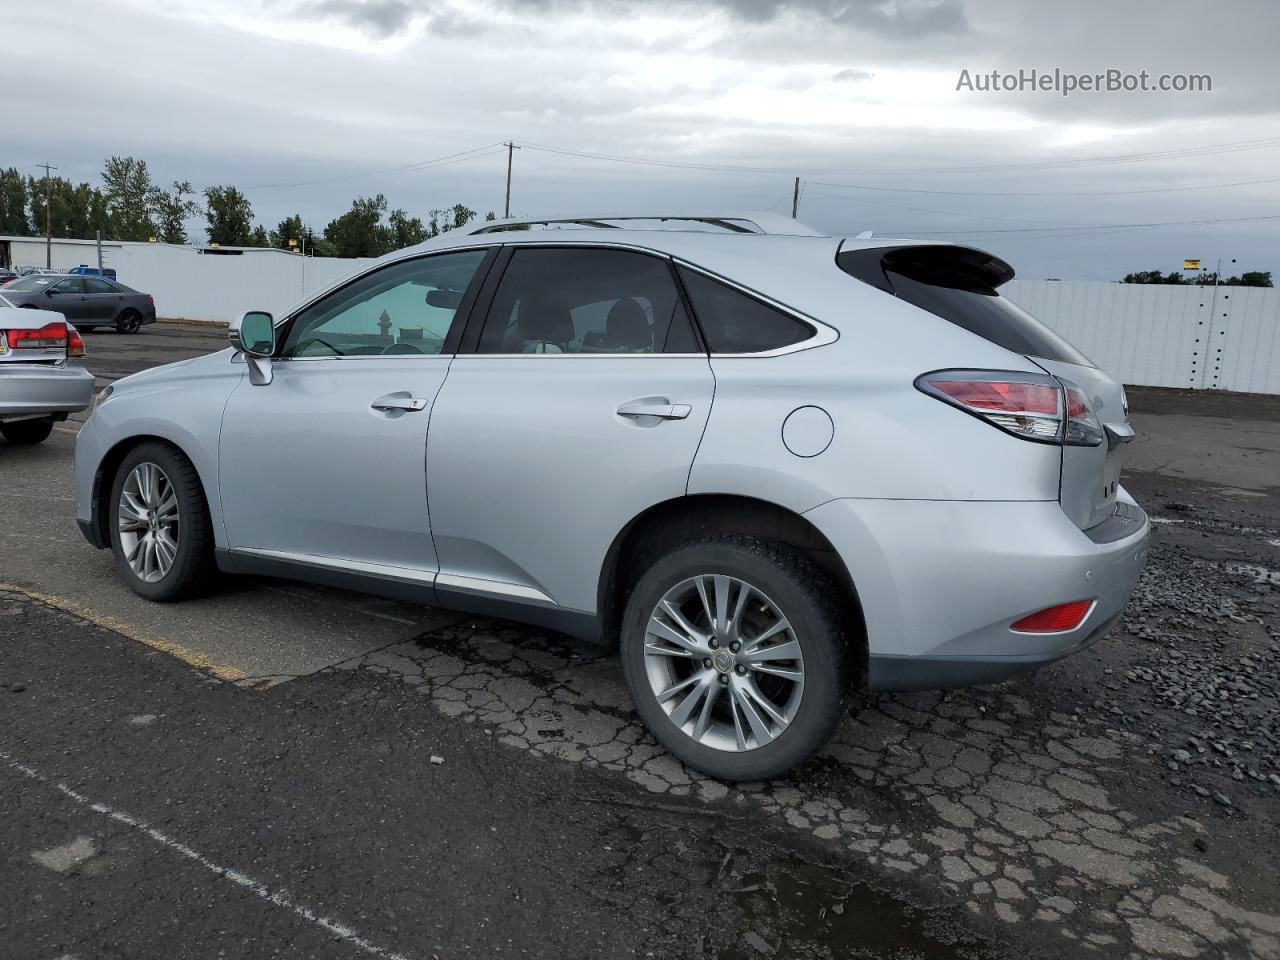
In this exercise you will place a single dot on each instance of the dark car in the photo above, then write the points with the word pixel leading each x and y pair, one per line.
pixel 6 275
pixel 87 302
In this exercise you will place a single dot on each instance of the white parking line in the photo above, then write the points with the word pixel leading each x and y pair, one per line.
pixel 279 898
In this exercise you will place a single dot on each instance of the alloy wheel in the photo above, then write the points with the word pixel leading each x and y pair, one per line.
pixel 149 522
pixel 723 663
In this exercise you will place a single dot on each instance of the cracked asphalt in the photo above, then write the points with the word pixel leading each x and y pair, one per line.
pixel 255 774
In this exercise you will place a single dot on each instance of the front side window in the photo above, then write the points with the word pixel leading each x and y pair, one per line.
pixel 69 286
pixel 584 300
pixel 736 323
pixel 406 308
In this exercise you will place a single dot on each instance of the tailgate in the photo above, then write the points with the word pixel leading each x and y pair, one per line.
pixel 1091 475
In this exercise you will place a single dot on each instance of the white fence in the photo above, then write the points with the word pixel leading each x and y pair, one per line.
pixel 194 286
pixel 1165 336
pixel 1146 334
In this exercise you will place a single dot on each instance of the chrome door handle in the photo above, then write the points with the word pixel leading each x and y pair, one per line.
pixel 399 403
pixel 664 411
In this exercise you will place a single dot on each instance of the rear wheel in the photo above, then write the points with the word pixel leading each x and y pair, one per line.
pixel 26 431
pixel 161 535
pixel 736 656
pixel 130 321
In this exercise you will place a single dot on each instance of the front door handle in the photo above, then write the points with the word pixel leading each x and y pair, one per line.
pixel 657 407
pixel 399 403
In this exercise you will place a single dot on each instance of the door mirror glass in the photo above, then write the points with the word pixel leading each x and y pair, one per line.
pixel 255 334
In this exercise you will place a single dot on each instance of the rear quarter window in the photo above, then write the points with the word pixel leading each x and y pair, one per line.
pixel 734 322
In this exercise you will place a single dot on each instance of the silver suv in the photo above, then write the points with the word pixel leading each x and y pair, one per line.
pixel 770 465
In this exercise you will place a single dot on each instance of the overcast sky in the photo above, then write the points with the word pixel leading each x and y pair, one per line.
pixel 307 103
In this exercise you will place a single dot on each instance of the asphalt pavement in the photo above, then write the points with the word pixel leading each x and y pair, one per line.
pixel 282 770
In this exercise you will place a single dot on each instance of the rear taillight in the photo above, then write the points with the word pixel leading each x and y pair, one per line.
pixel 75 345
pixel 1028 405
pixel 1032 406
pixel 1083 428
pixel 51 336
pixel 1059 619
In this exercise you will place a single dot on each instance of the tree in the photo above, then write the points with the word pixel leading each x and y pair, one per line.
pixel 405 230
pixel 14 196
pixel 259 237
pixel 290 228
pixel 1252 278
pixel 360 231
pixel 130 198
pixel 1153 276
pixel 76 211
pixel 173 208
pixel 229 216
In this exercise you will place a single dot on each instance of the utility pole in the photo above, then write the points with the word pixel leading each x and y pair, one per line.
pixel 510 148
pixel 48 220
pixel 795 199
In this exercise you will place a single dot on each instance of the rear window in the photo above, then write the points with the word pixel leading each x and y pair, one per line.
pixel 959 285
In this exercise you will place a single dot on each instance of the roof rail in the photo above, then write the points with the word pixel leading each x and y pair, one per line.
pixel 742 222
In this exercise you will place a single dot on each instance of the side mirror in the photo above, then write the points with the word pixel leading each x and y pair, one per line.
pixel 254 335
pixel 49 291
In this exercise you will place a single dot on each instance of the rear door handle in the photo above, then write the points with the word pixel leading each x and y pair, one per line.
pixel 399 403
pixel 657 407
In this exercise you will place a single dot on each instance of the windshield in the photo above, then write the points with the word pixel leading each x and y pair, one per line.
pixel 30 284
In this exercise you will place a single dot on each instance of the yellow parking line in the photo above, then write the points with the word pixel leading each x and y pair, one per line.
pixel 197 660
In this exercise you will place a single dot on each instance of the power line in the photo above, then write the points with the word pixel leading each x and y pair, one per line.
pixel 419 165
pixel 1046 193
pixel 930 210
pixel 1048 163
pixel 1097 227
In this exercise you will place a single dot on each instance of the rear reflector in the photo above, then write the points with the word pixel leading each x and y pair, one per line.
pixel 1028 405
pixel 1063 617
pixel 75 346
pixel 51 336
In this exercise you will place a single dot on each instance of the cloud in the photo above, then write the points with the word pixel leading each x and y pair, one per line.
pixel 850 75
pixel 379 18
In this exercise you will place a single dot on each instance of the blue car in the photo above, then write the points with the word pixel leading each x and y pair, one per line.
pixel 86 271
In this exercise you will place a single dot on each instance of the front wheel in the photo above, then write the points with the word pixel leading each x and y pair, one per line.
pixel 736 656
pixel 24 432
pixel 161 535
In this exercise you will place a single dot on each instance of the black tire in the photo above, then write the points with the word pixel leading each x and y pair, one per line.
pixel 129 321
pixel 24 432
pixel 805 596
pixel 193 569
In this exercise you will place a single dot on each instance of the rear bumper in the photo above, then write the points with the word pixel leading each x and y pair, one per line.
pixel 33 389
pixel 940 583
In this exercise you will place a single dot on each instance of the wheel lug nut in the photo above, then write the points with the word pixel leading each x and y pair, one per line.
pixel 724 678
pixel 707 663
pixel 735 646
pixel 740 670
pixel 715 644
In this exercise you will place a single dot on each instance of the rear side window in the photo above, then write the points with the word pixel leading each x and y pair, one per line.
pixel 94 285
pixel 959 285
pixel 736 323
pixel 582 300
